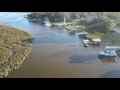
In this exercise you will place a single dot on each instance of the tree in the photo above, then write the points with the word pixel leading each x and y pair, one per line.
pixel 102 24
pixel 84 22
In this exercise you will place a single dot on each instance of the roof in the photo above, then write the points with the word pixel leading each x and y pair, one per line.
pixel 82 33
pixel 96 40
pixel 116 30
pixel 85 40
pixel 112 47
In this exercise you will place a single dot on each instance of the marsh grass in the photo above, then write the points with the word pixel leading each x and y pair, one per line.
pixel 15 46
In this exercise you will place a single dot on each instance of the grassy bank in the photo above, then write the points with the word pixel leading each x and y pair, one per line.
pixel 111 38
pixel 15 46
pixel 96 35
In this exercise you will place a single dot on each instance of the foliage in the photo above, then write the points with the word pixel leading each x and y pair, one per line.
pixel 102 24
pixel 111 38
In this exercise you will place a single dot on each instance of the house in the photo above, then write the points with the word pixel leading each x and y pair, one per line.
pixel 116 30
pixel 113 20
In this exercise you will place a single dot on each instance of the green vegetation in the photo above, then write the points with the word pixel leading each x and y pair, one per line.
pixel 96 35
pixel 111 38
pixel 15 45
pixel 99 24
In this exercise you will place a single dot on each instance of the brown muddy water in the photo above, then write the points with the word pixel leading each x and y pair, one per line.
pixel 57 54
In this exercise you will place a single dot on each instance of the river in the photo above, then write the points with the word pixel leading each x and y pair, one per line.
pixel 57 54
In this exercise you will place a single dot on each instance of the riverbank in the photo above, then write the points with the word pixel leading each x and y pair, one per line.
pixel 15 46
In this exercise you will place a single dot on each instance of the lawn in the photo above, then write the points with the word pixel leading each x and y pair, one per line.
pixel 96 35
pixel 111 38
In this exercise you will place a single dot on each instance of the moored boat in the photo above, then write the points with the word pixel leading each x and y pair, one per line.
pixel 86 42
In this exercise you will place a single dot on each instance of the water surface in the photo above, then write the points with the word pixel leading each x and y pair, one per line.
pixel 57 54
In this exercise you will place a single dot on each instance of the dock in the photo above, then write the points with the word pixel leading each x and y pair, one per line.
pixel 86 42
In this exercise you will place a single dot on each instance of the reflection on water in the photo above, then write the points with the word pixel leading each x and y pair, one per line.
pixel 82 59
pixel 112 74
pixel 109 59
pixel 56 53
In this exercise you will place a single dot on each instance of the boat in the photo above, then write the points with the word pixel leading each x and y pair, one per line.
pixel 63 23
pixel 46 22
pixel 86 42
pixel 111 53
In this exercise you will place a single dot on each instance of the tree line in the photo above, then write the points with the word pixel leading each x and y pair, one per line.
pixel 102 23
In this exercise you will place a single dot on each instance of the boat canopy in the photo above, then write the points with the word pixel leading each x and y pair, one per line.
pixel 82 33
pixel 112 48
pixel 86 40
pixel 73 29
pixel 96 40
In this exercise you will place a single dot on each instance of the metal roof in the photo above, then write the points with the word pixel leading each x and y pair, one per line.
pixel 112 47
pixel 116 30
pixel 96 40
pixel 82 33
pixel 73 29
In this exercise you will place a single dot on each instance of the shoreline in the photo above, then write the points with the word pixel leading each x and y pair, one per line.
pixel 16 46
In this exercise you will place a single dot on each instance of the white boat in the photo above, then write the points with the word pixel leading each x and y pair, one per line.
pixel 108 53
pixel 86 42
pixel 63 23
pixel 46 22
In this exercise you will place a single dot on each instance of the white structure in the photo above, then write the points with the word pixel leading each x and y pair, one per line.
pixel 82 33
pixel 96 41
pixel 46 22
pixel 86 42
pixel 112 47
pixel 116 30
pixel 62 24
pixel 108 53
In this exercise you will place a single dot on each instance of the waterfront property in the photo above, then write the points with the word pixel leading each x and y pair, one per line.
pixel 56 54
pixel 46 22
